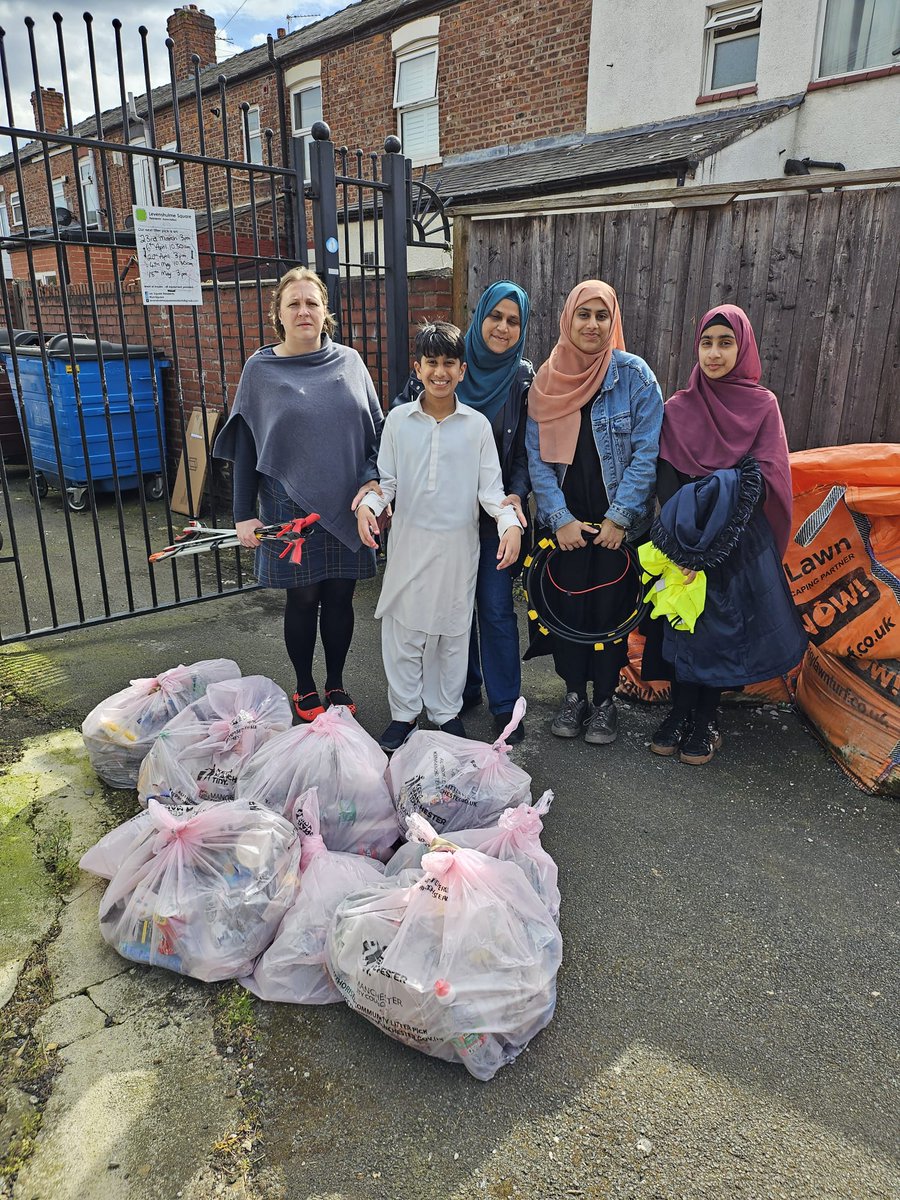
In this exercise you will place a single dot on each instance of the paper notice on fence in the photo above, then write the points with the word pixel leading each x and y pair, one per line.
pixel 167 253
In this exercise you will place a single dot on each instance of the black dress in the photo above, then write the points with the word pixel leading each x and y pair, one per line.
pixel 587 589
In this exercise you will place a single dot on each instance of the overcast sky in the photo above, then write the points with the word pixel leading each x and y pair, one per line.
pixel 243 27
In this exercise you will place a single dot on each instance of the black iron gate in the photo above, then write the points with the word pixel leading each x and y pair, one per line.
pixel 104 396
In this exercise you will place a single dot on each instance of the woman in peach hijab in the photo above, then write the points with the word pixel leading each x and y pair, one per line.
pixel 595 413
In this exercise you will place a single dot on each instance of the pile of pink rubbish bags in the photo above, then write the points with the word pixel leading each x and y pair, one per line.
pixel 299 861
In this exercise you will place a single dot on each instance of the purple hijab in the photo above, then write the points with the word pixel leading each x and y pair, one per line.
pixel 713 423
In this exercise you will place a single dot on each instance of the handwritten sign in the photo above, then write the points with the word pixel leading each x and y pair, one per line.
pixel 167 255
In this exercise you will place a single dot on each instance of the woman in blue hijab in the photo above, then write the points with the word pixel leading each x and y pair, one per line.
pixel 496 384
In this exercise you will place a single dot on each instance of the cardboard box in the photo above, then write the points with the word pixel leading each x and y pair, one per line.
pixel 195 454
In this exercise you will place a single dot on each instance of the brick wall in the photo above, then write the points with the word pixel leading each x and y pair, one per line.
pixel 519 76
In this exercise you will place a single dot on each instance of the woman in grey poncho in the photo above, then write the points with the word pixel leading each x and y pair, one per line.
pixel 303 437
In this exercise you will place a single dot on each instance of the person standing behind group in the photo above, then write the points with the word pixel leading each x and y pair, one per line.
pixel 303 436
pixel 725 488
pixel 496 383
pixel 592 437
pixel 439 460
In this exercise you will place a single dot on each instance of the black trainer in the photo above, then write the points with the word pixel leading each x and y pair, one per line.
pixel 395 735
pixel 602 723
pixel 569 716
pixel 701 743
pixel 501 720
pixel 454 726
pixel 668 736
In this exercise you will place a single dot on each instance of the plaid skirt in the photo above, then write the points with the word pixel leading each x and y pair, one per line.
pixel 324 557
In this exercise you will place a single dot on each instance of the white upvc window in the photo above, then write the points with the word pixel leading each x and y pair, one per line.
pixel 15 207
pixel 859 35
pixel 59 193
pixel 90 195
pixel 732 46
pixel 253 144
pixel 415 98
pixel 142 173
pixel 4 215
pixel 306 109
pixel 171 171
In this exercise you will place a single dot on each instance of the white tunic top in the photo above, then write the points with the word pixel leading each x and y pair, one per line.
pixel 436 474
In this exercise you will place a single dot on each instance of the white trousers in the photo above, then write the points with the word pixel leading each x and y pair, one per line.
pixel 423 668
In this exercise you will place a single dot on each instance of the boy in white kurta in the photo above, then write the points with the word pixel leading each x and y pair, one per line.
pixel 437 464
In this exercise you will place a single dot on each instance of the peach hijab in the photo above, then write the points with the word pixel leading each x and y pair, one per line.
pixel 570 377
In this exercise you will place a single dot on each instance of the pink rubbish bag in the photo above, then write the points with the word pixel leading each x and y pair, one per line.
pixel 292 970
pixel 335 755
pixel 461 965
pixel 121 730
pixel 106 856
pixel 515 838
pixel 201 752
pixel 455 783
pixel 205 894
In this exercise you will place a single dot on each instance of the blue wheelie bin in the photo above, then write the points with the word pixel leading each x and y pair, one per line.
pixel 81 357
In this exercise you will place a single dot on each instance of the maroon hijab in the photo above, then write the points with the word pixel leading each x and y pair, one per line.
pixel 712 424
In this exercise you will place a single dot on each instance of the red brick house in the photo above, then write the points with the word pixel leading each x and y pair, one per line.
pixel 440 75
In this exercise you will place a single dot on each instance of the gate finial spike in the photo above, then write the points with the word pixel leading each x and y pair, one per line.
pixel 392 144
pixel 321 131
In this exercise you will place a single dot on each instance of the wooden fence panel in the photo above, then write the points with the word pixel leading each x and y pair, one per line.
pixel 841 313
pixel 816 272
pixel 782 286
pixel 869 347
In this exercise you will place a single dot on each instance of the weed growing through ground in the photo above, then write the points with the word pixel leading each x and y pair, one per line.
pixel 234 1009
pixel 27 1064
pixel 238 1153
pixel 21 1147
pixel 54 849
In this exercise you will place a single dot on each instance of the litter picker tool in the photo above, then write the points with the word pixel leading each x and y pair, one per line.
pixel 197 538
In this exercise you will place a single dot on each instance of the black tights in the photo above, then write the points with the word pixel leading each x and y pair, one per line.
pixel 577 665
pixel 329 605
pixel 697 699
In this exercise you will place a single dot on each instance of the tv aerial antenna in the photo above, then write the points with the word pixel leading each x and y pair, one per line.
pixel 301 16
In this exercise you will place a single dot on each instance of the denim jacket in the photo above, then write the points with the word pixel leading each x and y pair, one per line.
pixel 626 416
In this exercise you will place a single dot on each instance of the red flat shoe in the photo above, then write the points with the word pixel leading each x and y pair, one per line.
pixel 337 696
pixel 307 707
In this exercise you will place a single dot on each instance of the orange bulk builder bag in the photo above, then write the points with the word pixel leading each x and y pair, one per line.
pixel 853 705
pixel 843 560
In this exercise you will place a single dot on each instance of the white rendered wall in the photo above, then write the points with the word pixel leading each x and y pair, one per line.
pixel 657 74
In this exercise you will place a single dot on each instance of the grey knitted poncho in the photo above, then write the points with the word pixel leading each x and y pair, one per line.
pixel 316 421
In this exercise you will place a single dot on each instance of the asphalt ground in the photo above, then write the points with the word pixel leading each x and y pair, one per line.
pixel 727 1018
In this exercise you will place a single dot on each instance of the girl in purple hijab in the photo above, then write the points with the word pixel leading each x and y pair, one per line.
pixel 724 484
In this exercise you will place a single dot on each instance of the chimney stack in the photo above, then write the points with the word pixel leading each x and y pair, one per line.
pixel 193 32
pixel 54 106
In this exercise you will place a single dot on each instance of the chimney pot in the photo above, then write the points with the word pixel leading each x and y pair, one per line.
pixel 193 32
pixel 54 105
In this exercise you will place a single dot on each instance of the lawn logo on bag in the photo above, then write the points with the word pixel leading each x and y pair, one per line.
pixel 837 555
pixel 847 598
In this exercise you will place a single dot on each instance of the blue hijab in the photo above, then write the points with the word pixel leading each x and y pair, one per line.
pixel 489 376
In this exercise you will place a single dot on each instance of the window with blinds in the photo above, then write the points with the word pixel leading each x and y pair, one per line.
pixel 415 98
